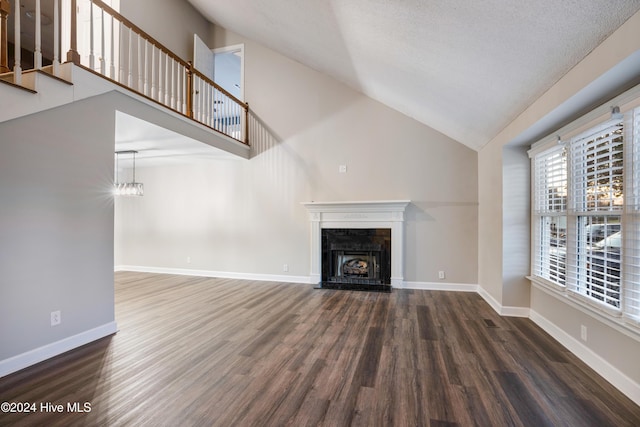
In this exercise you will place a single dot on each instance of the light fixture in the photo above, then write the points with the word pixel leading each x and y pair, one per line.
pixel 127 188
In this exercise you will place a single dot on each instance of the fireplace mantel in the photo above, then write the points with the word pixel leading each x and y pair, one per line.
pixel 360 214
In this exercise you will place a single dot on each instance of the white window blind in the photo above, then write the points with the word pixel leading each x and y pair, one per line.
pixel 550 206
pixel 631 289
pixel 594 251
pixel 598 166
pixel 550 181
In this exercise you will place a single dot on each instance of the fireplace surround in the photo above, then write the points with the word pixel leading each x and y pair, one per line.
pixel 360 215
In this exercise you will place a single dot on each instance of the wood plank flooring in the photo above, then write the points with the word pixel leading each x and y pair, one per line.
pixel 201 351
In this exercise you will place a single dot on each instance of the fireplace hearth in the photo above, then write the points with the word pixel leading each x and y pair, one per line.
pixel 356 259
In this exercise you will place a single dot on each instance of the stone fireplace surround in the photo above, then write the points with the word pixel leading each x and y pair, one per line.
pixel 361 214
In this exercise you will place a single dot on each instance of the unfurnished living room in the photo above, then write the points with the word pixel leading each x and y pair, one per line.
pixel 377 213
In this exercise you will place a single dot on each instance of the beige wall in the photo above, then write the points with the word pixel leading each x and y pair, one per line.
pixel 171 22
pixel 245 216
pixel 56 228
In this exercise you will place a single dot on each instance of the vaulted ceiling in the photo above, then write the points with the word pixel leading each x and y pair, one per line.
pixel 466 68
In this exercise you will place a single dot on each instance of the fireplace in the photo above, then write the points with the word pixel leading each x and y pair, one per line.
pixel 378 263
pixel 357 259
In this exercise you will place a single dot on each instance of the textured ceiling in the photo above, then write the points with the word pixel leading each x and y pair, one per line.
pixel 463 67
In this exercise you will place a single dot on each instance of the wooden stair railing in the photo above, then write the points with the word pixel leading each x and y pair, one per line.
pixel 100 40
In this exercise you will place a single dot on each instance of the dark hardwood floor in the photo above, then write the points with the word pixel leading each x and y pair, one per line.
pixel 201 351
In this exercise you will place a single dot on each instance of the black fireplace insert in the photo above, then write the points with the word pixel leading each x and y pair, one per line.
pixel 356 259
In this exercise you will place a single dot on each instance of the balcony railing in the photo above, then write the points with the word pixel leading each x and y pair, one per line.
pixel 99 39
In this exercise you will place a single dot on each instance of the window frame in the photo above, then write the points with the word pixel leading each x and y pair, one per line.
pixel 626 317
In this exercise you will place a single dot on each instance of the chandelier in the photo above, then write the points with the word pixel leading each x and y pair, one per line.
pixel 127 188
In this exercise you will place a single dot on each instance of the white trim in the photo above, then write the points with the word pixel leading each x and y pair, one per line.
pixel 609 372
pixel 626 101
pixel 620 324
pixel 234 48
pixel 37 355
pixel 358 214
pixel 217 274
pixel 439 286
pixel 508 311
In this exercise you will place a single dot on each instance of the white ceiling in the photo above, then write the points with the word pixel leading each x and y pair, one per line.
pixel 463 67
pixel 156 145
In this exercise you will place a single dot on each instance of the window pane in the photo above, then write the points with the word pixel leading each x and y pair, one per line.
pixel 552 250
pixel 599 250
pixel 598 161
pixel 551 182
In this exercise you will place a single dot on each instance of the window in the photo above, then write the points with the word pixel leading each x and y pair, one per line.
pixel 550 210
pixel 597 160
pixel 586 216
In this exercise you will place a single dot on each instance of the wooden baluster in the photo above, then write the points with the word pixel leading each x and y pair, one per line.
pixel 146 67
pixel 112 48
pixel 200 99
pixel 56 38
pixel 178 88
pixel 153 72
pixel 167 85
pixel 102 45
pixel 226 104
pixel 5 10
pixel 207 103
pixel 130 64
pixel 37 53
pixel 141 66
pixel 17 59
pixel 73 55
pixel 122 54
pixel 174 75
pixel 196 97
pixel 160 80
pixel 92 56
pixel 216 109
pixel 189 97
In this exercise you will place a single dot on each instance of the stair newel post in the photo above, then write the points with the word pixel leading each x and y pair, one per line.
pixel 5 9
pixel 17 58
pixel 190 89
pixel 246 123
pixel 37 54
pixel 73 55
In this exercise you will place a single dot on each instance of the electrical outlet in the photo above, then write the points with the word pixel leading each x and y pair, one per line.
pixel 583 332
pixel 441 274
pixel 56 318
pixel 188 260
pixel 285 267
pixel 342 168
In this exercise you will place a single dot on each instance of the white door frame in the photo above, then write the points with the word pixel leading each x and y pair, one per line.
pixel 240 49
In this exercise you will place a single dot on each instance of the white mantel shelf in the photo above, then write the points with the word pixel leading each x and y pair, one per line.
pixel 359 214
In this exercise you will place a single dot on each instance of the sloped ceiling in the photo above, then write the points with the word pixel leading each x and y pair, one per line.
pixel 466 68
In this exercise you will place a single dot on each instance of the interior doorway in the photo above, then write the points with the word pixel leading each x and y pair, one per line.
pixel 228 69
pixel 224 65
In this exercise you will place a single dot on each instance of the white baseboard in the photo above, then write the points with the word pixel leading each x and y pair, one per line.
pixel 503 310
pixel 219 274
pixel 24 360
pixel 609 372
pixel 439 286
